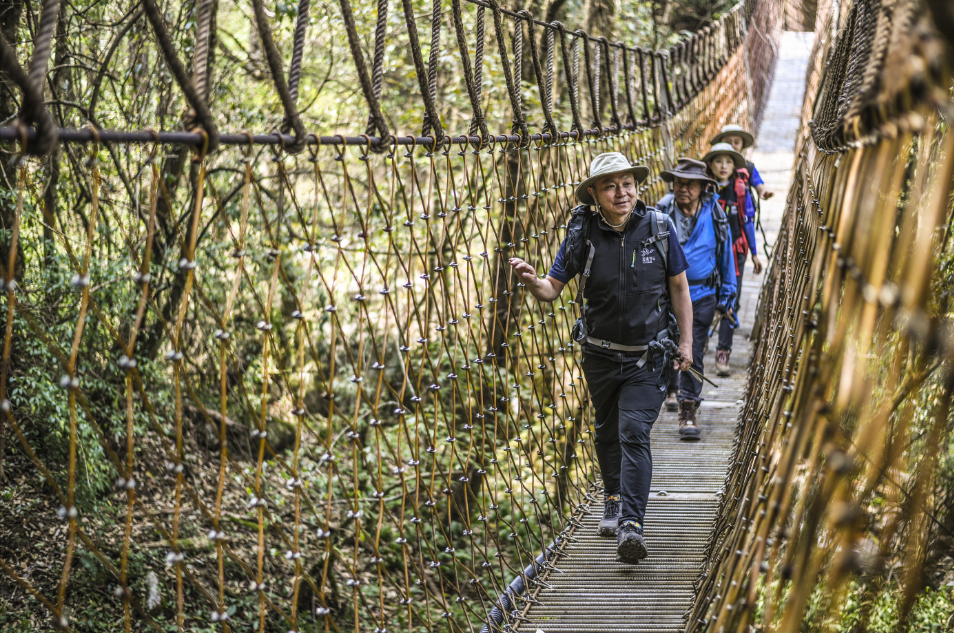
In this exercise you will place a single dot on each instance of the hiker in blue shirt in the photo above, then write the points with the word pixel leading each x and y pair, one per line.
pixel 731 141
pixel 703 232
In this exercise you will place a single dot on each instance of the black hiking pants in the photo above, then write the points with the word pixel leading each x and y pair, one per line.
pixel 725 331
pixel 686 385
pixel 627 400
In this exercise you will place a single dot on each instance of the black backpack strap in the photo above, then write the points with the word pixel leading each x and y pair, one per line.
pixel 720 227
pixel 660 231
pixel 586 273
pixel 659 228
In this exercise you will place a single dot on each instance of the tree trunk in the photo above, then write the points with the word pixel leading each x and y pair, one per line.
pixel 62 89
pixel 10 15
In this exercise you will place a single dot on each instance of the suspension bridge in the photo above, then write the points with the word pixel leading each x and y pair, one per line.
pixel 326 404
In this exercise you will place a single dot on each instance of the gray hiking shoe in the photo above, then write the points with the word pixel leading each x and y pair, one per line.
pixel 630 546
pixel 672 404
pixel 610 520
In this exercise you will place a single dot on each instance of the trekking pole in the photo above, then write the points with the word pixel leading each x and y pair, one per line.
pixel 695 374
pixel 715 322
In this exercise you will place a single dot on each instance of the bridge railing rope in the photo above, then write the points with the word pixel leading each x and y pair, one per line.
pixel 322 400
pixel 833 477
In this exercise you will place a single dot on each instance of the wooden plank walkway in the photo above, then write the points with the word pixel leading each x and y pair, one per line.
pixel 595 593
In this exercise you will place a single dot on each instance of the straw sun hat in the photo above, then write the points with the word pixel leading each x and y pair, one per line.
pixel 604 165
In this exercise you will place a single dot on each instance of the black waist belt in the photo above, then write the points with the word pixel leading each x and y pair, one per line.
pixel 699 282
pixel 616 347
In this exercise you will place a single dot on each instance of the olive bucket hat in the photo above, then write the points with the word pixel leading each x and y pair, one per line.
pixel 688 169
pixel 720 149
pixel 604 165
pixel 734 129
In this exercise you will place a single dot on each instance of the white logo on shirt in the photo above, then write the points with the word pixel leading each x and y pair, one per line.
pixel 649 255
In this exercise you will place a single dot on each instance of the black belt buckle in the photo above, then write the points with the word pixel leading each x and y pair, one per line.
pixel 605 344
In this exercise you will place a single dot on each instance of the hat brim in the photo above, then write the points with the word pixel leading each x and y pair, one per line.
pixel 640 173
pixel 747 139
pixel 737 158
pixel 669 176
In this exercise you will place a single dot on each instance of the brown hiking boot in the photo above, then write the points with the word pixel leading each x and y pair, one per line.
pixel 722 362
pixel 688 428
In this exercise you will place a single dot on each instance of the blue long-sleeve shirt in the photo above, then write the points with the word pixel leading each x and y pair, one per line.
pixel 755 179
pixel 700 249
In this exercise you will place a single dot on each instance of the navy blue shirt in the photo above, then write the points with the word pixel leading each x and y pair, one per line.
pixel 677 259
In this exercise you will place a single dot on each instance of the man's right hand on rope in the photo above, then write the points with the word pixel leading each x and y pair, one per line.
pixel 546 289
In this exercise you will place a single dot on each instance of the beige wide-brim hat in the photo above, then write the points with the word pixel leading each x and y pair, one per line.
pixel 604 165
pixel 720 149
pixel 734 129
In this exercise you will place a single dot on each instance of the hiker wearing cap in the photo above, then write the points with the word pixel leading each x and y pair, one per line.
pixel 637 301
pixel 702 229
pixel 738 201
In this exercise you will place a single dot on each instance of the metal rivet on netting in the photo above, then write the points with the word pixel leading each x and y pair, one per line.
pixel 321 611
pixel 219 616
pixel 69 382
pixel 142 278
pixel 174 558
pixel 66 513
pixel 127 363
pixel 259 434
pixel 216 535
pixel 174 468
pixel 79 281
pixel 263 326
pixel 126 484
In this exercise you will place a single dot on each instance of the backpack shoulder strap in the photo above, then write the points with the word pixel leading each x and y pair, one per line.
pixel 660 232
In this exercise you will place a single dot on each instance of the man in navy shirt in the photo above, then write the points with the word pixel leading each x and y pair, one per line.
pixel 633 281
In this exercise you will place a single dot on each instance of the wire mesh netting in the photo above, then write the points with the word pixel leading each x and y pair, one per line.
pixel 307 386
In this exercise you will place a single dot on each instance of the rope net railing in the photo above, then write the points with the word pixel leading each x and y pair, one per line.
pixel 295 388
pixel 835 494
pixel 762 36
